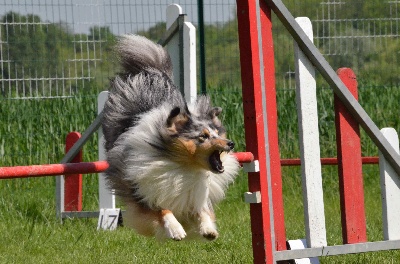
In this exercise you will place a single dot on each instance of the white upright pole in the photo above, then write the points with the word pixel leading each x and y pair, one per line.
pixel 390 190
pixel 106 198
pixel 309 144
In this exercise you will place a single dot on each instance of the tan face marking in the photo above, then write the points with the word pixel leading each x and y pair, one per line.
pixel 206 133
pixel 189 146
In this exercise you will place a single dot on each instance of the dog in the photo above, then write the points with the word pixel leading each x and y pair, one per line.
pixel 169 162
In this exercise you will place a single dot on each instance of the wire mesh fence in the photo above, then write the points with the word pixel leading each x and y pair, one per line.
pixel 362 35
pixel 58 48
pixel 61 48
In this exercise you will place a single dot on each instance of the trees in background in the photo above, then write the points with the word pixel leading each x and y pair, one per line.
pixel 38 56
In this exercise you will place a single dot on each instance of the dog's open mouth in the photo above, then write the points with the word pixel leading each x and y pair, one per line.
pixel 215 161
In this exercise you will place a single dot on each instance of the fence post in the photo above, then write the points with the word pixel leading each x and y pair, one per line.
pixel 271 113
pixel 390 190
pixel 258 84
pixel 306 99
pixel 73 182
pixel 106 198
pixel 182 50
pixel 350 166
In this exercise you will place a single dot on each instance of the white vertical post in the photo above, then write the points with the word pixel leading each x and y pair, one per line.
pixel 189 61
pixel 189 54
pixel 106 198
pixel 173 12
pixel 309 144
pixel 390 190
pixel 59 196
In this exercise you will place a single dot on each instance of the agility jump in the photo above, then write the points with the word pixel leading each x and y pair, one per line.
pixel 267 221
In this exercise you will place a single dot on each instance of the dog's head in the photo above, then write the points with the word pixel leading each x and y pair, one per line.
pixel 198 137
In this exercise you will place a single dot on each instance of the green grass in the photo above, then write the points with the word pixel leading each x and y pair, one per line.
pixel 33 132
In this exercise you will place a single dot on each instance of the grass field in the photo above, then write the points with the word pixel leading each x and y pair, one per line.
pixel 32 132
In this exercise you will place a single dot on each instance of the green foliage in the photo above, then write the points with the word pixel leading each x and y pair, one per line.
pixel 155 32
pixel 222 54
pixel 30 133
pixel 34 48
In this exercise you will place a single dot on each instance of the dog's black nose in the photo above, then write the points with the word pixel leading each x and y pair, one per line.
pixel 231 144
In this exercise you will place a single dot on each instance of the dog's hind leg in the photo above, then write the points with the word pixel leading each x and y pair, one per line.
pixel 208 228
pixel 172 227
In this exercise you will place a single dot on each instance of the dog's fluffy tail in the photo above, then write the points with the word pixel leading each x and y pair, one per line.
pixel 137 53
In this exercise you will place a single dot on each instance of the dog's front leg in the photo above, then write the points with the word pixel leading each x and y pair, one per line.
pixel 208 228
pixel 172 227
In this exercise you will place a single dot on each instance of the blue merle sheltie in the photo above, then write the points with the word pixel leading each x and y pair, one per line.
pixel 169 162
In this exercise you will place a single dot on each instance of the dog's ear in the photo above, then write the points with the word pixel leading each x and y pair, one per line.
pixel 176 120
pixel 213 114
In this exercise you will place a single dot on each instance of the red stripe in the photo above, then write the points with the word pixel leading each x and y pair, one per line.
pixel 350 166
pixel 52 169
pixel 73 182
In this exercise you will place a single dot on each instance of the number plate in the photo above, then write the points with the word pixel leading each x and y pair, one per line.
pixel 108 219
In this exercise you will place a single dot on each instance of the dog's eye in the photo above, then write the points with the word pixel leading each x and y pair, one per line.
pixel 203 137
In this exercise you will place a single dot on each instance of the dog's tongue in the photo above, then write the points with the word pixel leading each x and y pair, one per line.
pixel 215 162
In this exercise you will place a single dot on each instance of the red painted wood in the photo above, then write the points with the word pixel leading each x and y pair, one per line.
pixel 254 128
pixel 328 161
pixel 73 182
pixel 76 168
pixel 244 157
pixel 52 169
pixel 350 166
pixel 100 166
pixel 272 120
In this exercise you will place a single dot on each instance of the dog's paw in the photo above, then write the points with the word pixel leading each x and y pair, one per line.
pixel 173 228
pixel 208 231
pixel 176 232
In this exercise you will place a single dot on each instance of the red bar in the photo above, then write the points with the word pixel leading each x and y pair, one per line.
pixel 350 166
pixel 100 166
pixel 328 161
pixel 52 170
pixel 73 182
pixel 75 168
pixel 254 127
pixel 244 157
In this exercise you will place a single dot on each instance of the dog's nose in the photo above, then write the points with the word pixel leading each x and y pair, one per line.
pixel 231 144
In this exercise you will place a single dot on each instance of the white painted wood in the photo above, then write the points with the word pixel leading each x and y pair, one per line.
pixel 309 144
pixel 173 11
pixel 106 198
pixel 189 60
pixel 390 190
pixel 302 244
pixel 252 197
pixel 189 54
pixel 253 166
pixel 60 196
